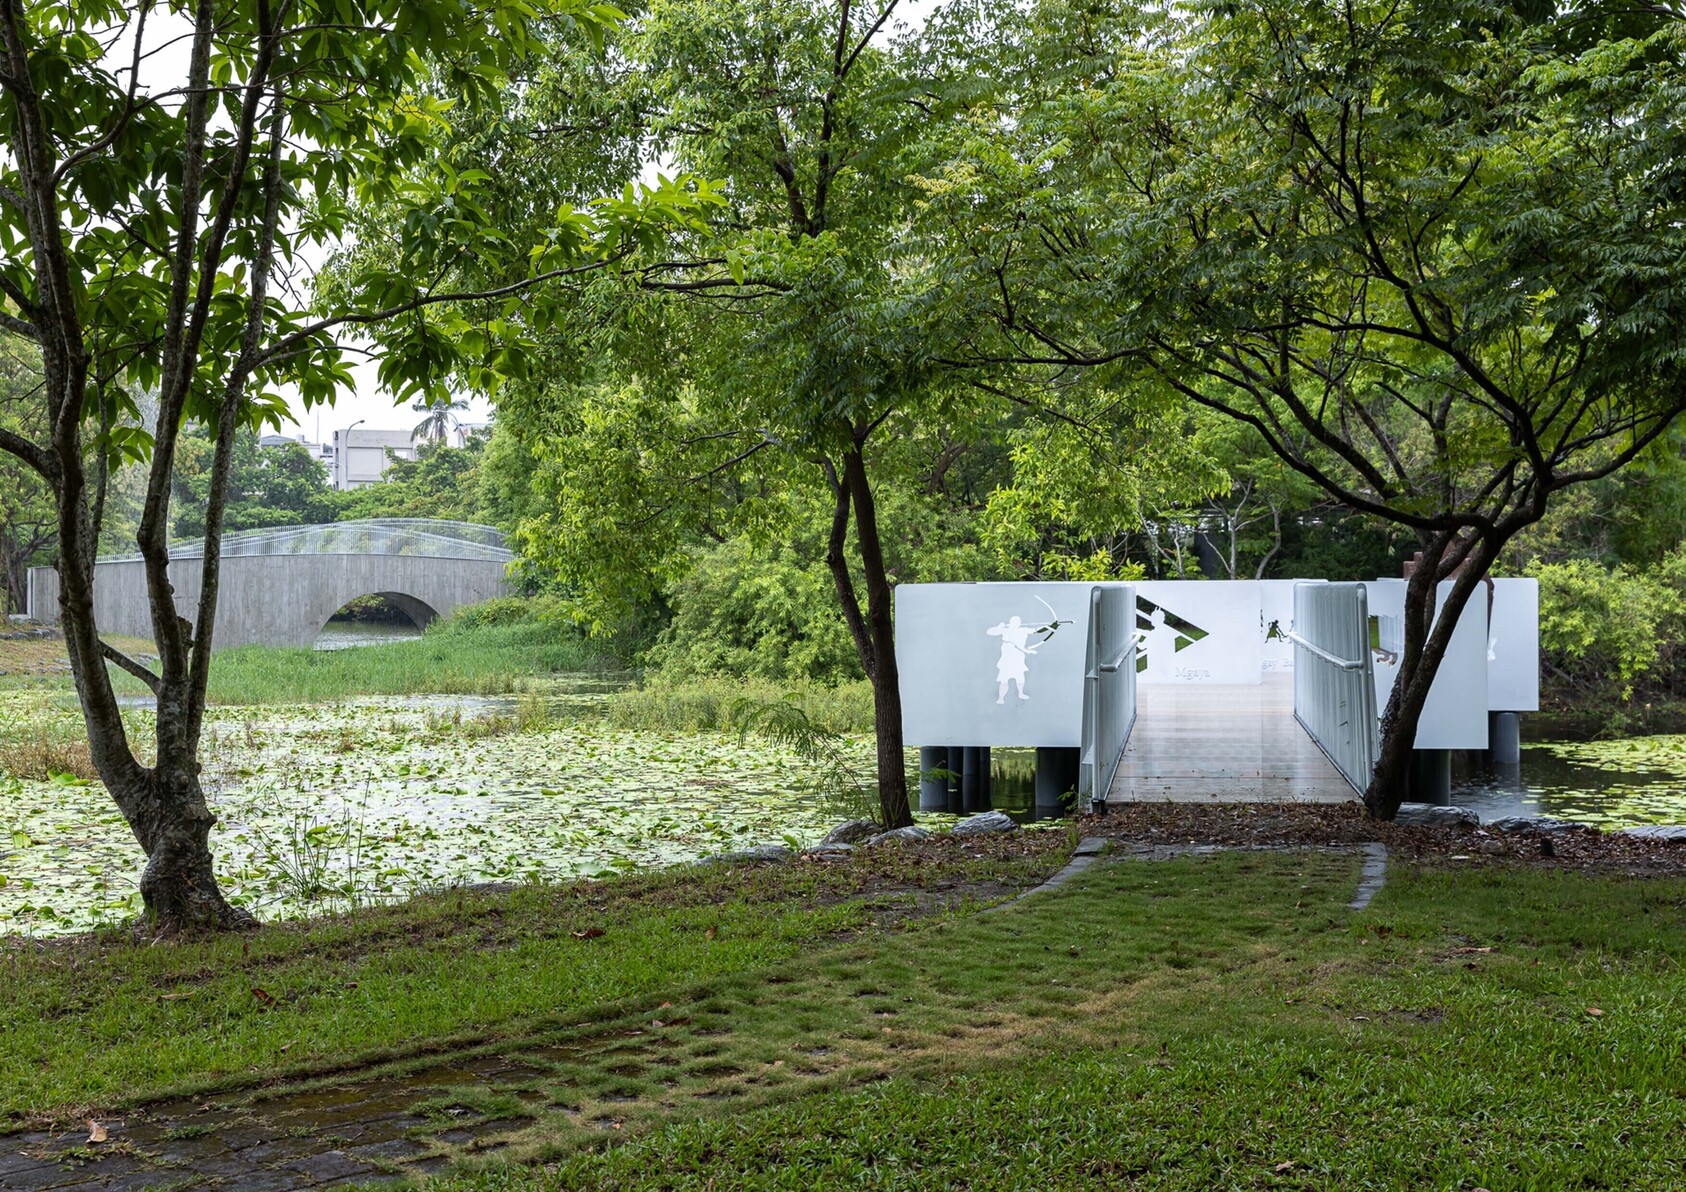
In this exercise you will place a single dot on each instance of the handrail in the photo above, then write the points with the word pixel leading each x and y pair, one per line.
pixel 1117 664
pixel 1109 688
pixel 1343 663
pixel 1335 696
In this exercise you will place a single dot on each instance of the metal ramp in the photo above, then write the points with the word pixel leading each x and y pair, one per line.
pixel 1223 743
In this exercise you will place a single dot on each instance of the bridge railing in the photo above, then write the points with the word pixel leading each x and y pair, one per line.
pixel 1334 681
pixel 1110 686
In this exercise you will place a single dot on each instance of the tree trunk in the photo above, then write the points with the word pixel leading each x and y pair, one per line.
pixel 169 816
pixel 873 631
pixel 1427 637
pixel 886 680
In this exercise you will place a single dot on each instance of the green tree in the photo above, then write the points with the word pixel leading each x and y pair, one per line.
pixel 1428 252
pixel 801 367
pixel 146 227
pixel 280 485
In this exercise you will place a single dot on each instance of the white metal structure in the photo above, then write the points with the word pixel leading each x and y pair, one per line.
pixel 1334 683
pixel 1110 687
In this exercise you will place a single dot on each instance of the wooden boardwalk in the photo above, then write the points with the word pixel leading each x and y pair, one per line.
pixel 1221 743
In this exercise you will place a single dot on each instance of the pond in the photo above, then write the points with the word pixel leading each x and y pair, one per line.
pixel 347 634
pixel 328 806
pixel 1613 784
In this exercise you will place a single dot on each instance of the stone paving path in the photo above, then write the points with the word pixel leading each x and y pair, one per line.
pixel 388 1129
pixel 381 1129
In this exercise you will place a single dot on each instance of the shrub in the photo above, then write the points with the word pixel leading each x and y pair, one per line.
pixel 1610 630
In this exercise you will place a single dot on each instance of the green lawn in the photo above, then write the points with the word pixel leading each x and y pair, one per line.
pixel 1200 1024
pixel 1212 1022
pixel 106 1021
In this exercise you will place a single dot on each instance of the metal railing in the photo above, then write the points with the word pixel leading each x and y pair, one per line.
pixel 419 536
pixel 1334 676
pixel 1109 696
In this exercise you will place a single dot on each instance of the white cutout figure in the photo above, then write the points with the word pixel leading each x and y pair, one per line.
pixel 1015 649
pixel 1154 642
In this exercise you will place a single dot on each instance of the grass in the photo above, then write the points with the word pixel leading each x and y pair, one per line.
pixel 705 705
pixel 456 658
pixel 105 1020
pixel 1207 1022
pixel 1197 1024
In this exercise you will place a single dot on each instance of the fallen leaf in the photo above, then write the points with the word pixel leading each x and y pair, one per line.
pixel 1284 1167
pixel 590 933
pixel 96 1132
pixel 711 933
pixel 1472 951
pixel 1595 1011
pixel 265 998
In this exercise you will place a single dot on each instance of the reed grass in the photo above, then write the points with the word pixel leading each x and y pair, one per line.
pixel 706 705
pixel 453 658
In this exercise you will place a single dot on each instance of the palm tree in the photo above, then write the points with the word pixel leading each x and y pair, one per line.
pixel 441 417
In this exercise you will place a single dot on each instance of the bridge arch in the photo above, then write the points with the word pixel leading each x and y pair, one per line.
pixel 279 587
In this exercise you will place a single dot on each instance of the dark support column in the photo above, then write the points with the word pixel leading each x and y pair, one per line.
pixel 956 768
pixel 1056 773
pixel 969 780
pixel 1504 738
pixel 933 786
pixel 986 784
pixel 1431 776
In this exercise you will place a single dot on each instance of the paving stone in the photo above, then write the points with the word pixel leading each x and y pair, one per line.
pixel 329 1165
pixel 391 1150
pixel 40 1176
pixel 17 1161
pixel 279 1150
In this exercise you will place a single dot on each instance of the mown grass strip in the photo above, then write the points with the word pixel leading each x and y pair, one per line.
pixel 1211 1024
pixel 107 1021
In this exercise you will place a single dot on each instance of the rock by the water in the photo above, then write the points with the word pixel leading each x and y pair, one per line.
pixel 829 852
pixel 987 823
pixel 1667 833
pixel 1543 824
pixel 764 854
pixel 898 835
pixel 1432 815
pixel 851 832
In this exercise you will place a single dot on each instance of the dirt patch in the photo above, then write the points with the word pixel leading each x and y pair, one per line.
pixel 1273 825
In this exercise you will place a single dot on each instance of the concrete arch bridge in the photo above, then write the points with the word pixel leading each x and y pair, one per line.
pixel 280 586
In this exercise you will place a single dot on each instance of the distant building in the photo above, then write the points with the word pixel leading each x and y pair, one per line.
pixel 360 456
pixel 462 432
pixel 324 452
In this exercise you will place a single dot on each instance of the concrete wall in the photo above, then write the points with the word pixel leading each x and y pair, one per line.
pixel 281 600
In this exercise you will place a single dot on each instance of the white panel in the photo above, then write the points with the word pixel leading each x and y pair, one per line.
pixel 992 664
pixel 1276 618
pixel 1199 631
pixel 1455 714
pixel 1513 647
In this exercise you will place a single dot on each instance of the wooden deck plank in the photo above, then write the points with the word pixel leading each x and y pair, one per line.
pixel 1234 744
